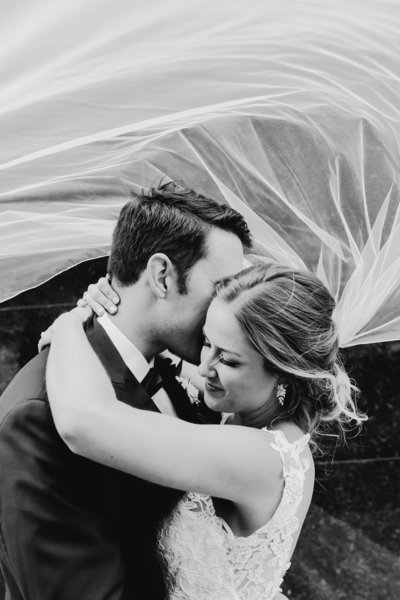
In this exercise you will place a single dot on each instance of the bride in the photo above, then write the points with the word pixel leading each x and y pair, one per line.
pixel 271 367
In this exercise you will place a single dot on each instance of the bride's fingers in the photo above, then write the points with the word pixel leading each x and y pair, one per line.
pixel 88 301
pixel 100 296
pixel 105 287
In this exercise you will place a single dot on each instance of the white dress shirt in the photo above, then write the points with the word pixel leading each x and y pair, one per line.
pixel 136 362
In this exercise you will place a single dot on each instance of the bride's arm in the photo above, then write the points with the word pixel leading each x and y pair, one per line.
pixel 227 462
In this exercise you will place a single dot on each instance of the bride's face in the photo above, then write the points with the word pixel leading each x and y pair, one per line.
pixel 236 379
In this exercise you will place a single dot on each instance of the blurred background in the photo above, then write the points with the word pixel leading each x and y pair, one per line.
pixel 350 545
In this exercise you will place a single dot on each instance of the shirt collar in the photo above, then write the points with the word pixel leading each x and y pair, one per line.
pixel 132 357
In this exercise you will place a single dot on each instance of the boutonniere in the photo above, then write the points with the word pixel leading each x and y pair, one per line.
pixel 170 368
pixel 190 389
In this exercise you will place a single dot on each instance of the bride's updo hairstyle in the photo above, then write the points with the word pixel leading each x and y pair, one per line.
pixel 287 317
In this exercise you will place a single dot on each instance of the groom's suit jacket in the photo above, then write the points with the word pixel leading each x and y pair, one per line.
pixel 71 529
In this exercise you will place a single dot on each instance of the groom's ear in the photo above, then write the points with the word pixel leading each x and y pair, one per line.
pixel 161 275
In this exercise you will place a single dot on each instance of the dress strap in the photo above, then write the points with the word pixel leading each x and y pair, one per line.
pixel 290 452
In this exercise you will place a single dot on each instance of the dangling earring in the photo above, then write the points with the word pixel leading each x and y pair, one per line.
pixel 281 393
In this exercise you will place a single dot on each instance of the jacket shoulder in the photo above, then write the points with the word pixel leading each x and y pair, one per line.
pixel 28 384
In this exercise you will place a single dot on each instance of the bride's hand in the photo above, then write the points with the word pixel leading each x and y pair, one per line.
pixel 100 296
pixel 79 314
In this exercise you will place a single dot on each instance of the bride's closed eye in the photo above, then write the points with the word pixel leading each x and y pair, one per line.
pixel 220 357
pixel 228 363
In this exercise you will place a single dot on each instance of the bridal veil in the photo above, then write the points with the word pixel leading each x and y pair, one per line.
pixel 289 111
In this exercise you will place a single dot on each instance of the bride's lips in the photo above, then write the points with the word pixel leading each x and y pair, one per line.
pixel 210 387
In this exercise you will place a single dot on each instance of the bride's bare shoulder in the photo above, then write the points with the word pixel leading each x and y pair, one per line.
pixel 291 431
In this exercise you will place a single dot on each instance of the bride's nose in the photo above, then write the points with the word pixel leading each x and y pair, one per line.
pixel 207 367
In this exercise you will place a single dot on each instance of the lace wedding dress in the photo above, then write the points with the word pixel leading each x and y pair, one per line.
pixel 202 558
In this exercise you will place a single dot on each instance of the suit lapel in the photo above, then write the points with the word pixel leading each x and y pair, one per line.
pixel 126 386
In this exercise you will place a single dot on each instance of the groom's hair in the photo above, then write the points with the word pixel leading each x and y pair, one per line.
pixel 171 219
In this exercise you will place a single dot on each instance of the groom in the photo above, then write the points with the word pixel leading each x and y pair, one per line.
pixel 71 529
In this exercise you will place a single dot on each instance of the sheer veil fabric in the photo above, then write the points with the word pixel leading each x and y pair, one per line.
pixel 287 111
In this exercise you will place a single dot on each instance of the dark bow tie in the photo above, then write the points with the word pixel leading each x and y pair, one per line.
pixel 162 372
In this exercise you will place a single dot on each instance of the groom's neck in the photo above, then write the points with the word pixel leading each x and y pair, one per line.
pixel 134 319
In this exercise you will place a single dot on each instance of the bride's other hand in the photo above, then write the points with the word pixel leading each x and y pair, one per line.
pixel 81 313
pixel 100 297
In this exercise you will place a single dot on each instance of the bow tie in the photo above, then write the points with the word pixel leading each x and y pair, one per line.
pixel 162 372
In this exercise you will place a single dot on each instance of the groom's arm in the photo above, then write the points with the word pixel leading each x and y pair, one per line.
pixel 57 537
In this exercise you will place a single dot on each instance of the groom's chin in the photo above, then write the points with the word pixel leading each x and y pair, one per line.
pixel 191 357
pixel 189 354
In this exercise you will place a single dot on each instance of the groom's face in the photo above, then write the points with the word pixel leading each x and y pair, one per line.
pixel 224 258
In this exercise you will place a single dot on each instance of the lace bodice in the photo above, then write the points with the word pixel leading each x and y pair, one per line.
pixel 204 560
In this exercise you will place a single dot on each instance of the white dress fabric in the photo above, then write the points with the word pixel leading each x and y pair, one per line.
pixel 202 558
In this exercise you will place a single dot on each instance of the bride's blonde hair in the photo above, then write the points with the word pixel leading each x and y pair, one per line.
pixel 287 316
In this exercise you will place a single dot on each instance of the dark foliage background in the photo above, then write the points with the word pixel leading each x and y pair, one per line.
pixel 350 545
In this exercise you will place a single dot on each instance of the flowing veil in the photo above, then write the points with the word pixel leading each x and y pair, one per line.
pixel 289 111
